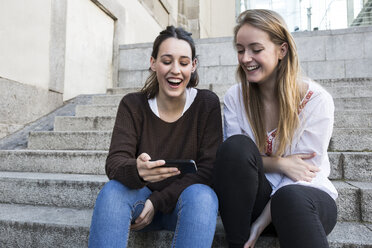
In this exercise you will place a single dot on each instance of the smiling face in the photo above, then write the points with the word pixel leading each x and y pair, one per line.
pixel 173 67
pixel 258 55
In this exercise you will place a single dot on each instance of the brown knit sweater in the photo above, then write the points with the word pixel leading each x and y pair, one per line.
pixel 196 135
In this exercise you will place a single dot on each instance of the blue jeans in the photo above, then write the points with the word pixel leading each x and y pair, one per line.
pixel 193 220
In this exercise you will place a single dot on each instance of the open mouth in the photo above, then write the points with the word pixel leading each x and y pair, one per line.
pixel 174 82
pixel 252 67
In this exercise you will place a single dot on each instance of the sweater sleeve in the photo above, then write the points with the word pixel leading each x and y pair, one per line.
pixel 210 134
pixel 121 160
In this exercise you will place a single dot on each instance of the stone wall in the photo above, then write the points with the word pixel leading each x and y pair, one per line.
pixel 344 53
pixel 21 103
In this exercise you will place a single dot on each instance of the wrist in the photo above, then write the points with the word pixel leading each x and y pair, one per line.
pixel 280 164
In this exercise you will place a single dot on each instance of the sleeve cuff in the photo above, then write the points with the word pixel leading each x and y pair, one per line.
pixel 129 176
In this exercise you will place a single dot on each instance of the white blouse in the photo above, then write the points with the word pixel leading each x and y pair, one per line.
pixel 312 135
pixel 190 97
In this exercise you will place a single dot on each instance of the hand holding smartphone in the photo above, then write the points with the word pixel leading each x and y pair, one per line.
pixel 183 165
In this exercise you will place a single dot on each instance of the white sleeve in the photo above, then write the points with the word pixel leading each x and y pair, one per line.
pixel 317 130
pixel 317 126
pixel 230 113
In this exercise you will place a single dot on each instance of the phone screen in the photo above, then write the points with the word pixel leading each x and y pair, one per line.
pixel 184 165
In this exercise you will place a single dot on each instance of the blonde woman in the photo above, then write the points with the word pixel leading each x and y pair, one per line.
pixel 271 171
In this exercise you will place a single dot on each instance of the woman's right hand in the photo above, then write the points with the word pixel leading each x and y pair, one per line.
pixel 149 171
pixel 296 168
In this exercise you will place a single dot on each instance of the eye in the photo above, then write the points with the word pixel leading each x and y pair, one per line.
pixel 257 50
pixel 166 62
pixel 240 51
pixel 184 62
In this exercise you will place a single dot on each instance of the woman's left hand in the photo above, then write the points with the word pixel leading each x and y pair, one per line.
pixel 253 236
pixel 145 217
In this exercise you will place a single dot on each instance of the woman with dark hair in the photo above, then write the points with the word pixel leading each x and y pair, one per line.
pixel 272 169
pixel 168 119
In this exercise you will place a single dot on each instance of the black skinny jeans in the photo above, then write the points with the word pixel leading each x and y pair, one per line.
pixel 301 216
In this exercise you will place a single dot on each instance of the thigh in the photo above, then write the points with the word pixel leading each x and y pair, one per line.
pixel 241 186
pixel 194 217
pixel 115 207
pixel 303 216
pixel 117 198
pixel 197 202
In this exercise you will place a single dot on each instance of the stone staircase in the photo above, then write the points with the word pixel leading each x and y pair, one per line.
pixel 364 18
pixel 48 190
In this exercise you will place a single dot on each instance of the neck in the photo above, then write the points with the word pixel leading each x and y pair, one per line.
pixel 268 91
pixel 170 108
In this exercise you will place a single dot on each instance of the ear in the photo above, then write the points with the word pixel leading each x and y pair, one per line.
pixel 194 64
pixel 152 64
pixel 283 49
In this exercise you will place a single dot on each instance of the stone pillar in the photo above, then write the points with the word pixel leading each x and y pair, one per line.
pixel 350 12
pixel 188 16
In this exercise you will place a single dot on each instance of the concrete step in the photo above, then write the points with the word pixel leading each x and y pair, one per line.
pixel 353 119
pixel 59 190
pixel 355 166
pixel 343 139
pixel 107 100
pixel 351 205
pixel 82 140
pixel 122 91
pixel 33 227
pixel 347 103
pixel 72 123
pixel 80 191
pixel 365 189
pixel 96 110
pixel 343 119
pixel 353 103
pixel 350 91
pixel 341 82
pixel 107 105
pixel 347 139
pixel 70 162
pixel 337 88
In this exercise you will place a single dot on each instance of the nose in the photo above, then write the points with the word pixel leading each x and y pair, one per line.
pixel 175 68
pixel 247 57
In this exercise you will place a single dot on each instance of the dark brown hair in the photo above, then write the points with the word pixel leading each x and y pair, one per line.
pixel 151 87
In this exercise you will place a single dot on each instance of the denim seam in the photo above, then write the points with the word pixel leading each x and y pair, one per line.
pixel 178 222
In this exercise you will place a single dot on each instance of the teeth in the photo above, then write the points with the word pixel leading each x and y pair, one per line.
pixel 251 68
pixel 174 81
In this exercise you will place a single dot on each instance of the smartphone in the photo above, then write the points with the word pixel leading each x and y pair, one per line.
pixel 183 165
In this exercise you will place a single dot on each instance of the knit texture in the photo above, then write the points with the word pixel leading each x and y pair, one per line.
pixel 195 135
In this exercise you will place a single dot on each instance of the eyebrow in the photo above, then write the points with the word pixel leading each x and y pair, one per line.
pixel 170 55
pixel 250 44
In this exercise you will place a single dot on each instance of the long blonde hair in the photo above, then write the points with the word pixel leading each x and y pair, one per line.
pixel 288 73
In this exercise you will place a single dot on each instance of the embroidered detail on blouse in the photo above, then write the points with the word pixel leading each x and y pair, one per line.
pixel 304 101
pixel 269 142
pixel 270 136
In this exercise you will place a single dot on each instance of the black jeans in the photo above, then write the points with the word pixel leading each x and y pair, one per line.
pixel 301 216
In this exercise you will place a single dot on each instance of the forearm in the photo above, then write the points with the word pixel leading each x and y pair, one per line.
pixel 265 218
pixel 272 164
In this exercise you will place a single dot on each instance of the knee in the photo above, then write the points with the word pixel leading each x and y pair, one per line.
pixel 200 197
pixel 236 154
pixel 113 191
pixel 235 145
pixel 290 199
